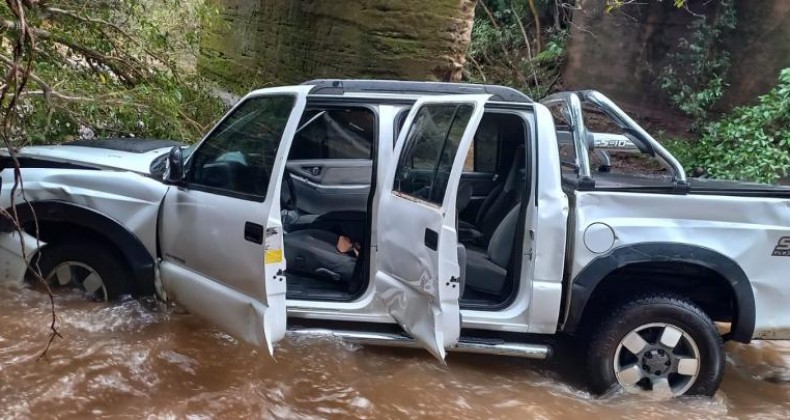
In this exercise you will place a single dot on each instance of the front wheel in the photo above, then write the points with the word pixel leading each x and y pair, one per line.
pixel 658 343
pixel 90 267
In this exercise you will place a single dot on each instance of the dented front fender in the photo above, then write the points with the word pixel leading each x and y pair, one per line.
pixel 15 253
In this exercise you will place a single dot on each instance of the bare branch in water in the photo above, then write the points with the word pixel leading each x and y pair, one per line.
pixel 18 72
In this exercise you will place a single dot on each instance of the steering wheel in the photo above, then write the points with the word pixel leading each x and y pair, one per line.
pixel 287 199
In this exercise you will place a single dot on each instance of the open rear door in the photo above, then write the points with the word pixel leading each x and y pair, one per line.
pixel 417 275
pixel 220 231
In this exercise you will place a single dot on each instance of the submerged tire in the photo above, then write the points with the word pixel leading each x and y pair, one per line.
pixel 91 267
pixel 657 343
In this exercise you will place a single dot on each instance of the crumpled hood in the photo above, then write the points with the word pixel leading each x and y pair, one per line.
pixel 134 155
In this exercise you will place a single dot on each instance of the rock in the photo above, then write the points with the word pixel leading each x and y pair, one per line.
pixel 270 42
pixel 619 53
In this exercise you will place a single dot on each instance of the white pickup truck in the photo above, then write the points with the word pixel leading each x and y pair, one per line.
pixel 453 217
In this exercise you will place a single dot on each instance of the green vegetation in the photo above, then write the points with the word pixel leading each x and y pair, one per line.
pixel 511 47
pixel 694 79
pixel 750 143
pixel 99 68
pixel 616 4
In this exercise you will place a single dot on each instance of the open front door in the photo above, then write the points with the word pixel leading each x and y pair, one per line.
pixel 417 275
pixel 221 233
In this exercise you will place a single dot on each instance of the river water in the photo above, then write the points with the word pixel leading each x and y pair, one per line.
pixel 126 360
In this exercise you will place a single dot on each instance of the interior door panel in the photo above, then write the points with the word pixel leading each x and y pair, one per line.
pixel 325 185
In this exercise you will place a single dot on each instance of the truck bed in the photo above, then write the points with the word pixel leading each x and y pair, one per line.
pixel 700 186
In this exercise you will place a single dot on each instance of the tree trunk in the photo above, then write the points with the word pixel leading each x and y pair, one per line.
pixel 266 42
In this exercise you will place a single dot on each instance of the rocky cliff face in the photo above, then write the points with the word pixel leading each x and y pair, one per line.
pixel 760 48
pixel 619 53
pixel 262 42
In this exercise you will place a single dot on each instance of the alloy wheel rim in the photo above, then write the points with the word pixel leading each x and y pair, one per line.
pixel 658 357
pixel 83 276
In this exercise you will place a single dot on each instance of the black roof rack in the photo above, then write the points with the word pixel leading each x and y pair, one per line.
pixel 338 87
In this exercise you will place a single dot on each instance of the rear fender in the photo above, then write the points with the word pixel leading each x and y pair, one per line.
pixel 587 280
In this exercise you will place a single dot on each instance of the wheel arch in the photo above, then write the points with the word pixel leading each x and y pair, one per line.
pixel 695 266
pixel 139 260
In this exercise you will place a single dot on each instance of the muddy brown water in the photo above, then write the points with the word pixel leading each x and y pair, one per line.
pixel 126 360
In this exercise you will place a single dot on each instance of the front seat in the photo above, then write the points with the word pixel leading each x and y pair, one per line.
pixel 311 248
pixel 313 253
pixel 496 205
pixel 486 272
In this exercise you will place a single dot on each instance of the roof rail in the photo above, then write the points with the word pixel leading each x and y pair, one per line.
pixel 340 86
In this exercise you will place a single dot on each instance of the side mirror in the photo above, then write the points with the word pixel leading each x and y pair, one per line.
pixel 174 173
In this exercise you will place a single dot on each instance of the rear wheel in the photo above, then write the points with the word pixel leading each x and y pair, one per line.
pixel 90 267
pixel 658 343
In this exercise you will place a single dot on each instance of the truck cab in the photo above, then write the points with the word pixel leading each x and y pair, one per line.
pixel 384 175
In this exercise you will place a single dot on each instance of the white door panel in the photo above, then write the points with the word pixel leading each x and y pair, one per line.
pixel 417 262
pixel 426 308
pixel 238 314
pixel 221 233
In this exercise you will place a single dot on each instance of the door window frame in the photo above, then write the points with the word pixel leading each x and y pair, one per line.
pixel 374 183
pixel 188 165
pixel 400 121
pixel 313 103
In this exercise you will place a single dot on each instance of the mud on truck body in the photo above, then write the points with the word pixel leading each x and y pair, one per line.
pixel 474 219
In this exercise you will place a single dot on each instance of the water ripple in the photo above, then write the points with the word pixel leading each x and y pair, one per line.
pixel 127 360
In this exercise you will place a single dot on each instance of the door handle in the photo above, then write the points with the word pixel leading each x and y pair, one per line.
pixel 312 170
pixel 431 239
pixel 253 232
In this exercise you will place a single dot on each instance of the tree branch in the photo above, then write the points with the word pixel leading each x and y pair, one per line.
pixel 24 46
pixel 115 64
pixel 526 42
pixel 85 19
pixel 537 24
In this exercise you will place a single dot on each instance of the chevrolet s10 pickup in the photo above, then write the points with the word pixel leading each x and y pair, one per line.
pixel 453 217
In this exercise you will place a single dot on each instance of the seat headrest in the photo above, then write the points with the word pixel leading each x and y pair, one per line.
pixel 513 174
pixel 464 196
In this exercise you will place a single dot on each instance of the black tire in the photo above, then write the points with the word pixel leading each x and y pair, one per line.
pixel 111 269
pixel 642 313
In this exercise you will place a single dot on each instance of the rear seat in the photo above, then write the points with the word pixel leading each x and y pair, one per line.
pixel 496 205
pixel 486 271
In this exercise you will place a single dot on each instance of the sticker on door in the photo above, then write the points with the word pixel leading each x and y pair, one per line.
pixel 273 253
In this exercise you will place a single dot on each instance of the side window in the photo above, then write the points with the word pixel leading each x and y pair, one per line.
pixel 238 156
pixel 431 145
pixel 334 134
pixel 482 156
